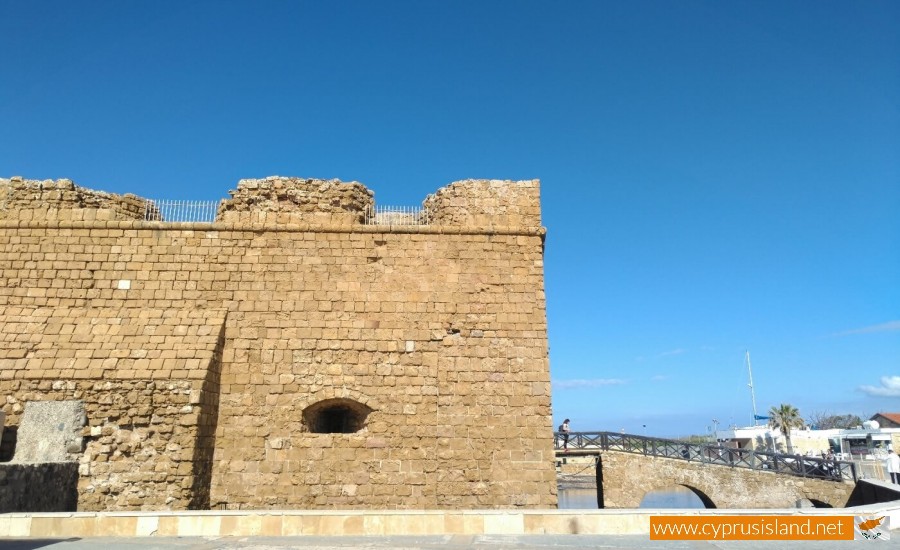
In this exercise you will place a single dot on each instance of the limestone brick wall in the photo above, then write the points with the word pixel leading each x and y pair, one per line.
pixel 442 334
pixel 147 380
pixel 486 203
pixel 63 200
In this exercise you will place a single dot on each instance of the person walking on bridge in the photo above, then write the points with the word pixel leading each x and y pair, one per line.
pixel 564 433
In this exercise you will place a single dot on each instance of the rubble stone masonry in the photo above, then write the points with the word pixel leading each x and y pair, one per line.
pixel 305 200
pixel 279 358
pixel 63 200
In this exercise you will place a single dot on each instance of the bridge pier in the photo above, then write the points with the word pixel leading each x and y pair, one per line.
pixel 598 469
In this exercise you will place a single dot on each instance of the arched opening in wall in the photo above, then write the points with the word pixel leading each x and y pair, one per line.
pixel 676 496
pixel 335 416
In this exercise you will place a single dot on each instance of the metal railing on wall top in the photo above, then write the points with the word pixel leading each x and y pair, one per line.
pixel 396 215
pixel 181 211
pixel 797 465
pixel 205 211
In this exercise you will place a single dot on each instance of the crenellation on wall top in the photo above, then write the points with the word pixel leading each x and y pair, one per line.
pixel 328 201
pixel 488 204
pixel 59 199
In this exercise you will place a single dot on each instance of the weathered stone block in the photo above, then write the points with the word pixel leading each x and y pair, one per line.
pixel 50 431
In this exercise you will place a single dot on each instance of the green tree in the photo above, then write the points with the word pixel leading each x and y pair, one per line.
pixel 826 421
pixel 784 417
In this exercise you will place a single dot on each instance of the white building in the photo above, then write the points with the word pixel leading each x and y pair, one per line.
pixel 866 442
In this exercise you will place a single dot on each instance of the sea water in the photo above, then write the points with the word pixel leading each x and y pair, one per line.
pixel 673 497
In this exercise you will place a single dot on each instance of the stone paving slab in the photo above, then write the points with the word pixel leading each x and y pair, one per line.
pixel 227 525
pixel 443 542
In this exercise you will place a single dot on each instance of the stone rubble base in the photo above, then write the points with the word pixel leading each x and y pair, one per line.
pixel 360 523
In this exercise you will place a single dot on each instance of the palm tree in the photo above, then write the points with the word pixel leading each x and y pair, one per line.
pixel 785 417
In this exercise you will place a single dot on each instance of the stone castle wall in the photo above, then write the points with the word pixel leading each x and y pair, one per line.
pixel 201 350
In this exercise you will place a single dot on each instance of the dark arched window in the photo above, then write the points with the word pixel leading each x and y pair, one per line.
pixel 336 416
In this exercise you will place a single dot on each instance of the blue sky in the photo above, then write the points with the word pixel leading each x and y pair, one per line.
pixel 716 176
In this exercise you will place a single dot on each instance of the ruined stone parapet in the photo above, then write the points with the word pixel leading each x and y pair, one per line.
pixel 486 203
pixel 63 200
pixel 278 201
pixel 305 200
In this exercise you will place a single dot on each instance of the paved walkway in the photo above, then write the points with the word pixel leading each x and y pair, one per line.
pixel 445 542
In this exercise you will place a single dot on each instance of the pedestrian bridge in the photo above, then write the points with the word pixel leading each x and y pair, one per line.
pixel 629 466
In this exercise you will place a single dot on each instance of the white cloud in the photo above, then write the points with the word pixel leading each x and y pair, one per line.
pixel 583 383
pixel 659 378
pixel 890 387
pixel 890 326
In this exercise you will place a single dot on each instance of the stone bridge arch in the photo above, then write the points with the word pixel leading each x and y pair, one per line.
pixel 660 485
pixel 627 477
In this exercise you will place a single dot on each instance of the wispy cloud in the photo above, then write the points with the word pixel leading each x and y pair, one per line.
pixel 659 377
pixel 890 387
pixel 587 383
pixel 883 327
pixel 670 353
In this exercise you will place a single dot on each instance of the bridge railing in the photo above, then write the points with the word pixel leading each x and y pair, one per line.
pixel 798 465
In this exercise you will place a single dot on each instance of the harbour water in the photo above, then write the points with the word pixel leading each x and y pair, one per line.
pixel 674 497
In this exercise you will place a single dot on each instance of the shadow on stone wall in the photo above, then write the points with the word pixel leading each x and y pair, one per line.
pixel 8 443
pixel 868 492
pixel 45 487
pixel 205 448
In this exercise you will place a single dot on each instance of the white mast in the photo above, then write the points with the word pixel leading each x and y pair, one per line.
pixel 752 394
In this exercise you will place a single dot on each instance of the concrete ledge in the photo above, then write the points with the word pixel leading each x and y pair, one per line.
pixel 275 228
pixel 389 522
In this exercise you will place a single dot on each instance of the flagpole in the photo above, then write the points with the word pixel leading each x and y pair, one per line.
pixel 752 393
